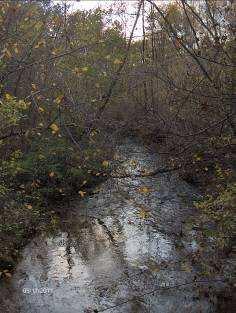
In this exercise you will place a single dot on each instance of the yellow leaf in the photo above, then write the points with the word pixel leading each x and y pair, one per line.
pixel 144 190
pixel 8 96
pixel 33 86
pixel 85 69
pixel 105 163
pixel 41 43
pixel 56 51
pixel 117 61
pixel 77 71
pixel 51 174
pixel 59 99
pixel 82 193
pixel 29 206
pixel 54 128
pixel 8 53
pixel 145 172
pixel 143 214
pixel 23 105
pixel 93 133
pixel 133 162
pixel 40 109
pixel 197 157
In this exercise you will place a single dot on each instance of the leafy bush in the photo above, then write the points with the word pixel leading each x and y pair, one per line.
pixel 217 215
pixel 48 169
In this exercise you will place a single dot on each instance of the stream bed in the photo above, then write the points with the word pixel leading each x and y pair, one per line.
pixel 121 249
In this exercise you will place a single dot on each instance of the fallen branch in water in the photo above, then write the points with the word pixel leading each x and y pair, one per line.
pixel 148 174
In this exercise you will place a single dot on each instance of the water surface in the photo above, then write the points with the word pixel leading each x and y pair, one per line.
pixel 120 250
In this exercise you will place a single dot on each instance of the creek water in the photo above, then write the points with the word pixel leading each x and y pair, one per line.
pixel 122 249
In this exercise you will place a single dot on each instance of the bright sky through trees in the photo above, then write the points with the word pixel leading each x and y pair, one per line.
pixel 126 17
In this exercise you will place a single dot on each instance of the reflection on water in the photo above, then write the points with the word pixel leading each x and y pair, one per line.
pixel 108 256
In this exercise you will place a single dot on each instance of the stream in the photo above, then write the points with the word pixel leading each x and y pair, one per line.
pixel 122 249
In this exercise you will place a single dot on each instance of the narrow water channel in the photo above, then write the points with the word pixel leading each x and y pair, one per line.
pixel 120 250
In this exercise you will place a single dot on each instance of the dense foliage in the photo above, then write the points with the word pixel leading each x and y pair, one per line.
pixel 68 79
